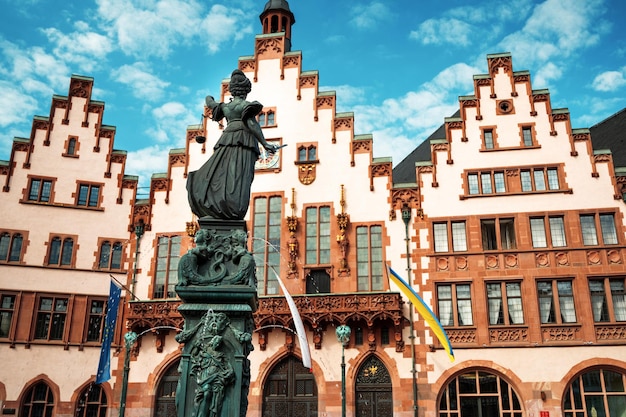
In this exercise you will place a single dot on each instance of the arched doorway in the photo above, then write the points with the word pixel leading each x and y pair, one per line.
pixel 290 390
pixel 479 393
pixel 38 401
pixel 373 389
pixel 597 392
pixel 165 402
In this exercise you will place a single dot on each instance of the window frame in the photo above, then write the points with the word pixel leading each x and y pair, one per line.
pixel 263 118
pixel 489 138
pixel 89 202
pixel 505 305
pixel 556 308
pixel 170 278
pixel 454 305
pixel 61 261
pixel 39 197
pixel 12 239
pixel 457 245
pixel 7 312
pixel 548 231
pixel 498 223
pixel 478 189
pixel 321 253
pixel 95 315
pixel 307 154
pixel 71 147
pixel 373 279
pixel 599 232
pixel 267 230
pixel 530 140
pixel 608 309
pixel 48 325
pixel 104 264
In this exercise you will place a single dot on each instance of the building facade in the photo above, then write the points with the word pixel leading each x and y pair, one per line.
pixel 506 221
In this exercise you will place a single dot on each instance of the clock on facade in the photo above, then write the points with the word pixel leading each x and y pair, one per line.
pixel 268 160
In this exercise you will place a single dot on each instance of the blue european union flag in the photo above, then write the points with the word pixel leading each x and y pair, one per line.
pixel 104 366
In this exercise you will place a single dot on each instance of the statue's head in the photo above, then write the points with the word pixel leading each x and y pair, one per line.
pixel 239 237
pixel 201 236
pixel 239 85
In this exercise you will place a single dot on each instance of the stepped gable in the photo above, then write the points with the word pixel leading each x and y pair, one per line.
pixel 404 172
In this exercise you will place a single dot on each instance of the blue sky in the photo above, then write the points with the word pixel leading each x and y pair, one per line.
pixel 398 65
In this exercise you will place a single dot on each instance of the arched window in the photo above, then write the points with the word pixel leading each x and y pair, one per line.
pixel 166 392
pixel 92 402
pixel 38 401
pixel 71 146
pixel 476 393
pixel 598 392
pixel 290 390
pixel 61 251
pixel 10 247
pixel 374 395
pixel 110 255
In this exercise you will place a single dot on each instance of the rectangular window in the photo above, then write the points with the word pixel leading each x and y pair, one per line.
pixel 369 258
pixel 527 136
pixel 166 271
pixel 39 190
pixel 498 179
pixel 88 195
pixel 527 184
pixel 51 315
pixel 588 228
pixel 557 231
pixel 488 138
pixel 608 309
pixel 472 184
pixel 559 309
pixel 490 182
pixel 607 225
pixel 505 303
pixel 553 179
pixel 267 221
pixel 454 302
pixel 539 179
pixel 538 232
pixel 7 306
pixel 485 182
pixel 459 237
pixel 95 320
pixel 443 232
pixel 317 235
pixel 498 234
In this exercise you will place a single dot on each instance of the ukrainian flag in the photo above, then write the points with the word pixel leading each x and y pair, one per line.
pixel 424 311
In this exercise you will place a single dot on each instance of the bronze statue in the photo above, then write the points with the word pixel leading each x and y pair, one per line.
pixel 220 189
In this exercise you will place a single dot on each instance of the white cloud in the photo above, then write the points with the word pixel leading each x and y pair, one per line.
pixel 441 31
pixel 83 47
pixel 155 28
pixel 366 17
pixel 610 80
pixel 462 26
pixel 144 85
pixel 170 123
pixel 554 31
pixel 147 161
pixel 545 74
pixel 400 124
pixel 15 104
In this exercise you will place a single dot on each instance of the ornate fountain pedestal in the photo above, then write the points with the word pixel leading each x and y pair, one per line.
pixel 218 290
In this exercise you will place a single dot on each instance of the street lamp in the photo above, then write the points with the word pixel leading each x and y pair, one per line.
pixel 343 336
pixel 129 340
pixel 406 218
